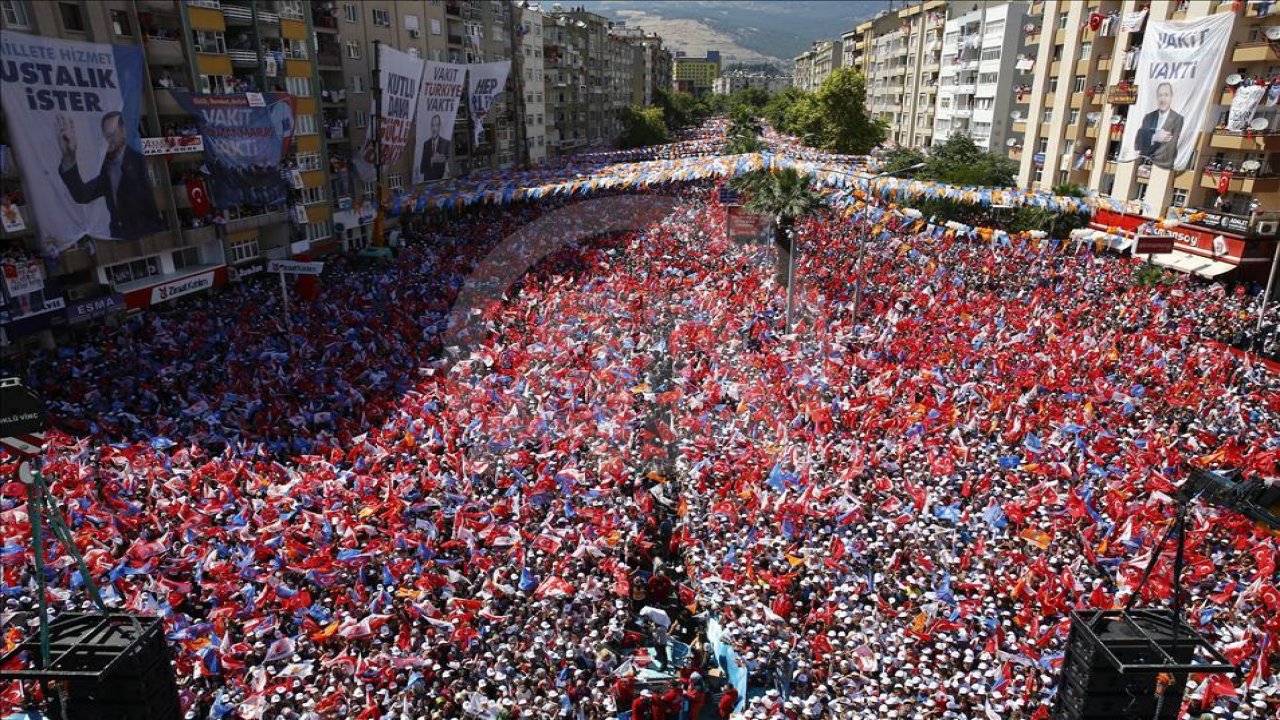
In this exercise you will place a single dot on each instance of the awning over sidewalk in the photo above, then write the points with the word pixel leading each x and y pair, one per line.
pixel 1188 263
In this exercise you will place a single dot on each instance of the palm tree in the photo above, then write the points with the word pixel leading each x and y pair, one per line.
pixel 786 196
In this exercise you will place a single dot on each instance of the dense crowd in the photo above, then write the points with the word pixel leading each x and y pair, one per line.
pixel 889 516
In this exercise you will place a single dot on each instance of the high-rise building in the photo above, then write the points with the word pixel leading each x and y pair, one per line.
pixel 736 81
pixel 656 59
pixel 529 73
pixel 695 75
pixel 816 64
pixel 1079 104
pixel 981 51
pixel 200 46
pixel 899 53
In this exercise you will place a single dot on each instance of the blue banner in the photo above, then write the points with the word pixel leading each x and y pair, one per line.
pixel 245 137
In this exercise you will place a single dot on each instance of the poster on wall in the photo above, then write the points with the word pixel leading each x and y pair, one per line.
pixel 72 109
pixel 245 137
pixel 400 75
pixel 438 98
pixel 487 81
pixel 22 277
pixel 1177 72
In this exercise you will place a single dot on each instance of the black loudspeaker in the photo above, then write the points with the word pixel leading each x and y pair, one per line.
pixel 1093 687
pixel 105 667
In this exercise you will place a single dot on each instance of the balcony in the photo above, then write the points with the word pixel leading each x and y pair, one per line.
pixel 1227 140
pixel 965 112
pixel 237 15
pixel 1019 127
pixel 243 58
pixel 253 222
pixel 326 59
pixel 157 5
pixel 1122 94
pixel 1104 64
pixel 967 89
pixel 200 235
pixel 164 52
pixel 1248 185
pixel 1261 51
pixel 166 104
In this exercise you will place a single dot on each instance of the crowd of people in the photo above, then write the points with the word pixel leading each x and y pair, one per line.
pixel 889 512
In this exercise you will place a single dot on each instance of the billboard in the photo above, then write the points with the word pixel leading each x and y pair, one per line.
pixel 487 81
pixel 400 74
pixel 245 137
pixel 72 109
pixel 1177 73
pixel 438 98
pixel 749 227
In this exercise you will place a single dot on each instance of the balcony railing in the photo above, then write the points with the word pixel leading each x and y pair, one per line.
pixel 243 57
pixel 237 12
pixel 252 222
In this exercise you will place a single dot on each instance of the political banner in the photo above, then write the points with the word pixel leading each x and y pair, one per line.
pixel 749 227
pixel 487 81
pixel 72 109
pixel 245 137
pixel 22 276
pixel 1177 73
pixel 400 74
pixel 10 217
pixel 438 98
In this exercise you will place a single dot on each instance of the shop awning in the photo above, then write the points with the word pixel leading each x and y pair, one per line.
pixel 1188 263
pixel 1119 243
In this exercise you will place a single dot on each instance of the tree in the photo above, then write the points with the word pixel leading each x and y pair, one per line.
pixel 842 102
pixel 752 97
pixel 899 159
pixel 641 127
pixel 959 161
pixel 679 109
pixel 775 111
pixel 786 196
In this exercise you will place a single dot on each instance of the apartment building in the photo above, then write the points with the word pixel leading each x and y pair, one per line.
pixel 529 71
pixel 982 51
pixel 737 81
pixel 656 61
pixel 899 53
pixel 816 64
pixel 204 46
pixel 1079 103
pixel 695 75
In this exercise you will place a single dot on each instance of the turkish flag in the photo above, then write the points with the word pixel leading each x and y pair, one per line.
pixel 198 195
pixel 1224 182
pixel 1095 21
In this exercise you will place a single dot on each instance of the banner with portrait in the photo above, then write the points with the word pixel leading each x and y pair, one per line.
pixel 245 137
pixel 487 81
pixel 72 109
pixel 438 99
pixel 400 74
pixel 1177 75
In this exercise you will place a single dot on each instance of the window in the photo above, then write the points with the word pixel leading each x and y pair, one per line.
pixel 133 270
pixel 991 54
pixel 396 181
pixel 209 41
pixel 353 49
pixel 1062 21
pixel 995 27
pixel 313 195
pixel 1048 115
pixel 1053 84
pixel 368 189
pixel 1077 85
pixel 381 18
pixel 15 13
pixel 435 26
pixel 362 118
pixel 1074 116
pixel 120 23
pixel 1086 49
pixel 244 250
pixel 304 124
pixel 1042 145
pixel 319 230
pixel 357 83
pixel 214 84
pixel 351 12
pixel 72 18
pixel 186 258
pixel 1179 198
pixel 299 86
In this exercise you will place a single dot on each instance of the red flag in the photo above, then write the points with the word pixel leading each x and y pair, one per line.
pixel 1217 686
pixel 1224 182
pixel 198 195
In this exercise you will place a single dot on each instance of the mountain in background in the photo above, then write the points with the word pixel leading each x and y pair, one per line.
pixel 744 31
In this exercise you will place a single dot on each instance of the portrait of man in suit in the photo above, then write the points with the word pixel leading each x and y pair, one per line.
pixel 435 152
pixel 1161 130
pixel 122 180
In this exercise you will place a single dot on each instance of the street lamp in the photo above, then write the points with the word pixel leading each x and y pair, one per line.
pixel 862 246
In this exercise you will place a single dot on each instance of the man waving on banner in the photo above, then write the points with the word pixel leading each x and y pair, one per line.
pixel 122 180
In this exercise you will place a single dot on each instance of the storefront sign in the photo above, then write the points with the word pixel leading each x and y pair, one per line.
pixel 1228 223
pixel 97 307
pixel 238 273
pixel 1154 244
pixel 182 286
pixel 749 227
pixel 296 267
pixel 172 145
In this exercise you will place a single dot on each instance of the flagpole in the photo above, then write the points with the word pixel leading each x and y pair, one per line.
pixel 377 143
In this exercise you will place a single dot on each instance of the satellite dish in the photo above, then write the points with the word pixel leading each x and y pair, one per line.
pixel 1011 142
pixel 1029 28
pixel 1016 115
pixel 1259 123
pixel 1250 165
pixel 1093 117
pixel 1116 119
pixel 1234 79
pixel 1273 32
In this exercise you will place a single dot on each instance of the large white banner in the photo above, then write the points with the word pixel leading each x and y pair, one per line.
pixel 438 100
pixel 1176 76
pixel 400 74
pixel 487 83
pixel 72 109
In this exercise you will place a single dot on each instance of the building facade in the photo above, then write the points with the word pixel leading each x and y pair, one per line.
pixel 695 75
pixel 737 81
pixel 816 64
pixel 1078 106
pixel 981 53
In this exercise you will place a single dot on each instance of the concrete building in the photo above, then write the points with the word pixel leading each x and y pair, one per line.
pixel 529 71
pixel 1078 105
pixel 206 47
pixel 816 64
pixel 899 53
pixel 695 75
pixel 981 50
pixel 656 61
pixel 737 81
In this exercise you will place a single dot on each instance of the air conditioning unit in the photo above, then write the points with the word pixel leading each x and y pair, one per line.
pixel 1268 227
pixel 414 33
